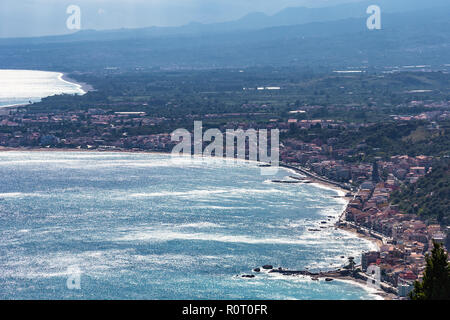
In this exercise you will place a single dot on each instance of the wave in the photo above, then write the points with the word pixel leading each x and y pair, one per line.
pixel 207 192
pixel 199 225
pixel 18 195
pixel 167 235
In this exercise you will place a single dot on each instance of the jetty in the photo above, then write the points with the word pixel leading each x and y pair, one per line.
pixel 316 177
pixel 328 274
pixel 286 181
pixel 340 274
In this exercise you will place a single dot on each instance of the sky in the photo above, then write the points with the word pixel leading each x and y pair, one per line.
pixel 26 18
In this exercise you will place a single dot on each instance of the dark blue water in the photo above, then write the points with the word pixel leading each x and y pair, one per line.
pixel 141 226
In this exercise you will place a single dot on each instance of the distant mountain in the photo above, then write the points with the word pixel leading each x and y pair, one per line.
pixel 253 21
pixel 302 15
pixel 414 37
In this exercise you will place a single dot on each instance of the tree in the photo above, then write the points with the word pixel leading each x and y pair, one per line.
pixel 351 263
pixel 436 277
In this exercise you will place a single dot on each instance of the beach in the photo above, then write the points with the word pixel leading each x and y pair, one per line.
pixel 42 84
pixel 86 87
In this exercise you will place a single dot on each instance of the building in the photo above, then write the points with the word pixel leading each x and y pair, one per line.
pixel 369 257
pixel 404 289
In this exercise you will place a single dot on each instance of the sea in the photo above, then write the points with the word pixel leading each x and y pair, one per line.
pixel 20 87
pixel 110 225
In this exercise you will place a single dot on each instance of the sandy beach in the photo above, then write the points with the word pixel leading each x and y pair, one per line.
pixel 82 85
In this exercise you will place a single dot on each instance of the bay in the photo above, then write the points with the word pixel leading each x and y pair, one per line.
pixel 19 87
pixel 146 226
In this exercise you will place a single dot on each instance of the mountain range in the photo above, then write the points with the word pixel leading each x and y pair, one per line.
pixel 412 32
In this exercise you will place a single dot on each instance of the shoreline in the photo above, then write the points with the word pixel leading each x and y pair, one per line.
pixel 316 182
pixel 83 86
pixel 64 77
pixel 11 106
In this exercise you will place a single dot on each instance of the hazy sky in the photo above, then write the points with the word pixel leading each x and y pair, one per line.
pixel 42 17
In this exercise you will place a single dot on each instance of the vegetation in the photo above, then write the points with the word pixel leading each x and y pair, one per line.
pixel 383 139
pixel 217 97
pixel 429 197
pixel 436 278
pixel 401 42
pixel 362 106
pixel 362 98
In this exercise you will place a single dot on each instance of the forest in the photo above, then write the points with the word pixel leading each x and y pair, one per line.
pixel 429 197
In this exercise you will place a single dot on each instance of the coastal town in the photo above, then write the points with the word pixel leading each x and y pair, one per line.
pixel 403 239
pixel 206 153
pixel 98 128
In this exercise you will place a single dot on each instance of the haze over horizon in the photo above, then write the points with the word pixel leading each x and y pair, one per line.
pixel 32 18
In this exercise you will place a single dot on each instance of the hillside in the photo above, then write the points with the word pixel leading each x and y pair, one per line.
pixel 124 19
pixel 411 38
pixel 429 197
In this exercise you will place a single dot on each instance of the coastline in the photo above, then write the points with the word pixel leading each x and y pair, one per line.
pixel 12 106
pixel 341 218
pixel 85 87
pixel 317 182
pixel 81 86
pixel 320 182
pixel 343 192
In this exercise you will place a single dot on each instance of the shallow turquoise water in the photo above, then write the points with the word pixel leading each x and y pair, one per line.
pixel 141 226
